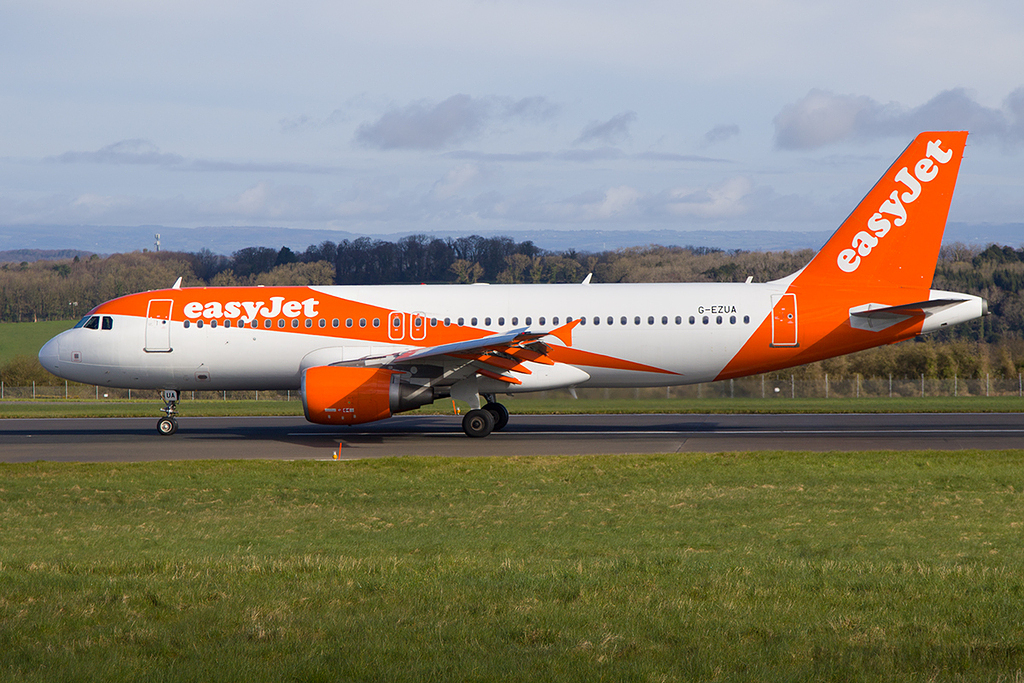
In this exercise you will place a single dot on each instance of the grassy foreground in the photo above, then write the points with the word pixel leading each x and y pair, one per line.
pixel 778 566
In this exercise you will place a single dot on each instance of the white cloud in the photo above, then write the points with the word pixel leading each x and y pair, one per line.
pixel 456 180
pixel 823 118
pixel 613 130
pixel 721 133
pixel 141 152
pixel 726 200
pixel 423 125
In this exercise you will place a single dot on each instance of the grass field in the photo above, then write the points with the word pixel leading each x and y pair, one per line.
pixel 739 567
pixel 25 339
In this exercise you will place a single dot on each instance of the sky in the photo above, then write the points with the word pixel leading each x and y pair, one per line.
pixel 497 117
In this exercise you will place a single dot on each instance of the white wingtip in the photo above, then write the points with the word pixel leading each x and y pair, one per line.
pixel 586 280
pixel 177 284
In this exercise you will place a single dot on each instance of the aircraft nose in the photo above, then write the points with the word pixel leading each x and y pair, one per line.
pixel 49 355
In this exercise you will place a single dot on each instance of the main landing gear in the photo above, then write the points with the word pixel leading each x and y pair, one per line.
pixel 482 421
pixel 167 425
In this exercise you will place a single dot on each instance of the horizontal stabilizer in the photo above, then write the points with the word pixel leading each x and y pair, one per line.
pixel 879 316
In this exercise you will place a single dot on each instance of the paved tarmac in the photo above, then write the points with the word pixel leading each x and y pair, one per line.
pixel 292 438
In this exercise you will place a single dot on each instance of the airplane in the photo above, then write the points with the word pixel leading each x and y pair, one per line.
pixel 363 353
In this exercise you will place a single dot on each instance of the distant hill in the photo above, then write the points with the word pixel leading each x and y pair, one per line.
pixel 33 255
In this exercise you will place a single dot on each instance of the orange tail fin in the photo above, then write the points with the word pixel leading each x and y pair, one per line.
pixel 892 238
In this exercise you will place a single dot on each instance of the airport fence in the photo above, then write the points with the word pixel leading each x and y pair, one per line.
pixel 768 387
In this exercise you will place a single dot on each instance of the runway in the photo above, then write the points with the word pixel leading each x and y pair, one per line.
pixel 292 438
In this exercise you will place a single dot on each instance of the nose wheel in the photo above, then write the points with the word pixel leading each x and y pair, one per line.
pixel 167 425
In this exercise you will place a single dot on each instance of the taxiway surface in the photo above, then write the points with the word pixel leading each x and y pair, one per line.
pixel 135 439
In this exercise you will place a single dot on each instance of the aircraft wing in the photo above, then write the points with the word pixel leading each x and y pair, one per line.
pixel 498 356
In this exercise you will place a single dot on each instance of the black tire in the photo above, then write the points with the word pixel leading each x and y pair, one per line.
pixel 478 423
pixel 166 426
pixel 500 414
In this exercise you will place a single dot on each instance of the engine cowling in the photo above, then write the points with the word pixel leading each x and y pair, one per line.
pixel 344 395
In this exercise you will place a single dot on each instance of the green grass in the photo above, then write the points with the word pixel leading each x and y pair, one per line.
pixel 54 409
pixel 25 339
pixel 746 567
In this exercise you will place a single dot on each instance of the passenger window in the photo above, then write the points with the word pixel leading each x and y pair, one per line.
pixel 623 320
pixel 461 322
pixel 309 322
pixel 93 324
pixel 597 320
pixel 692 320
pixel 199 324
pixel 472 322
pixel 280 323
pixel 348 322
pixel 719 320
pixel 335 323
pixel 187 324
pixel 487 322
pixel 227 323
pixel 268 324
pixel 362 322
pixel 746 320
pixel 664 320
pixel 323 322
pixel 447 322
pixel 732 320
pixel 376 322
pixel 501 322
pixel 254 324
pixel 636 320
pixel 529 320
pixel 679 320
pixel 705 320
pixel 540 321
pixel 433 322
pixel 554 321
pixel 515 321
pixel 108 322
pixel 396 322
pixel 213 324
pixel 295 322
pixel 650 320
pixel 583 321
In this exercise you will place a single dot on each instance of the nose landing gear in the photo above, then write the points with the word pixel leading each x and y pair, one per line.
pixel 167 425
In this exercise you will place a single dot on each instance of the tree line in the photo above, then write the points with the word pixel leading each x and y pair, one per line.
pixel 65 289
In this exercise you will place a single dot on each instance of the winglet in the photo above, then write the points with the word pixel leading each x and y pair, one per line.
pixel 564 333
pixel 177 284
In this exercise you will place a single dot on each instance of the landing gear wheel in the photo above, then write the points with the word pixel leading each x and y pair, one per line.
pixel 478 423
pixel 500 414
pixel 166 426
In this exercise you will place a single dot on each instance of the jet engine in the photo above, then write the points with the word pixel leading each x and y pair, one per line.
pixel 344 395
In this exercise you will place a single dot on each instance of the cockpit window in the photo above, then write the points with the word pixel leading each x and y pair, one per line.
pixel 83 321
pixel 108 322
pixel 92 323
